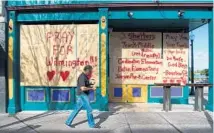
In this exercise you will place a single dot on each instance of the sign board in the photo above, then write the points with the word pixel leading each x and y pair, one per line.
pixel 135 57
pixel 141 58
pixel 175 64
pixel 54 55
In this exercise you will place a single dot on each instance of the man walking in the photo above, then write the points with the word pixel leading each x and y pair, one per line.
pixel 83 87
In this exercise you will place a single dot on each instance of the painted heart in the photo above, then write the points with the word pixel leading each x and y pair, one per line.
pixel 178 81
pixel 165 81
pixel 184 82
pixel 64 75
pixel 50 75
pixel 171 81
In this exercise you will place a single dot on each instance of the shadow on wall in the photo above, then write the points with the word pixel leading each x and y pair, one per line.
pixel 3 91
pixel 3 62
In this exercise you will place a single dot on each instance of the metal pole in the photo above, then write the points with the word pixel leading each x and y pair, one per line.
pixel 167 98
pixel 192 69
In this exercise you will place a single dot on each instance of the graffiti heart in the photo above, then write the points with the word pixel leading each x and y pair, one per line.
pixel 171 81
pixel 164 81
pixel 178 81
pixel 50 75
pixel 64 75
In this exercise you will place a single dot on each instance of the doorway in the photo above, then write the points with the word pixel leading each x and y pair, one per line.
pixel 124 86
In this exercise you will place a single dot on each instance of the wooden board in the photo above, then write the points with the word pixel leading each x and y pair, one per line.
pixel 88 48
pixel 135 57
pixel 175 57
pixel 50 55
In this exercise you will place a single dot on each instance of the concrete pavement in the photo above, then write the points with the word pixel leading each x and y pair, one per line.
pixel 117 120
pixel 122 118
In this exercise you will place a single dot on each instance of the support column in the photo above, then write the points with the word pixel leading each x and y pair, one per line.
pixel 209 106
pixel 12 64
pixel 103 34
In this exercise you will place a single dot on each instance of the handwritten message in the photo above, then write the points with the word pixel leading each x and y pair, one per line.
pixel 175 57
pixel 135 57
pixel 54 55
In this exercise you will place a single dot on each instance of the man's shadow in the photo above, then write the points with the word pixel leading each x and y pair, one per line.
pixel 103 116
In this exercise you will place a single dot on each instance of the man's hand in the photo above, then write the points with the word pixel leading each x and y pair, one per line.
pixel 93 86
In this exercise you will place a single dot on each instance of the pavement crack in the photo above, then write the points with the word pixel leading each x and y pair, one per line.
pixel 128 123
pixel 177 129
pixel 26 124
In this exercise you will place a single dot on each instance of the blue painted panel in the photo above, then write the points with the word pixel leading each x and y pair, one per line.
pixel 136 92
pixel 176 91
pixel 60 95
pixel 158 96
pixel 52 2
pixel 118 92
pixel 35 95
pixel 158 91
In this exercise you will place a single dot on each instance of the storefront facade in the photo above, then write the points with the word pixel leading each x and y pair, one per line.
pixel 130 45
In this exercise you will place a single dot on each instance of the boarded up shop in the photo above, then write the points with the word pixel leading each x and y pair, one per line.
pixel 139 59
pixel 130 51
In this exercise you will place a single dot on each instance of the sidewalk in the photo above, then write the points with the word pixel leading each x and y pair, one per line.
pixel 119 119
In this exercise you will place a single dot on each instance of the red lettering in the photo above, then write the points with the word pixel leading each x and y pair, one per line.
pixel 69 49
pixel 55 49
pixel 71 36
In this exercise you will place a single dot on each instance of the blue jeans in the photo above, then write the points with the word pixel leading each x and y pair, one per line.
pixel 82 101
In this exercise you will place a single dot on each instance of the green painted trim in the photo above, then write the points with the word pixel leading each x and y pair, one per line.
pixel 57 16
pixel 26 105
pixel 209 105
pixel 166 14
pixel 47 104
pixel 104 100
pixel 57 2
pixel 50 105
pixel 13 104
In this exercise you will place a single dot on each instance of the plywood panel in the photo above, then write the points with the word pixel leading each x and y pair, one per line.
pixel 88 48
pixel 135 57
pixel 175 57
pixel 52 55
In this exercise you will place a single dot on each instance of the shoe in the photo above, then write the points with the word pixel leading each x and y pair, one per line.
pixel 95 126
pixel 67 124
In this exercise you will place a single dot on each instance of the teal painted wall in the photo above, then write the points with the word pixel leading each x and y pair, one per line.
pixel 209 105
pixel 13 63
pixel 49 104
pixel 50 2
